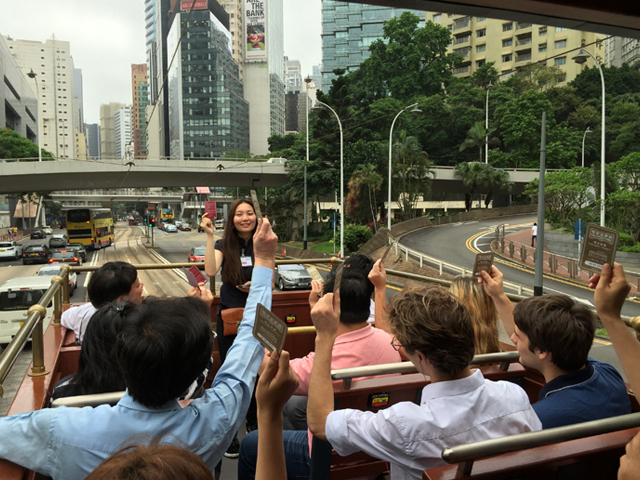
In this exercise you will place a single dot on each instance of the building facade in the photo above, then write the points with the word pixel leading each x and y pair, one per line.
pixel 107 132
pixel 512 45
pixel 140 95
pixel 208 114
pixel 292 75
pixel 317 76
pixel 235 9
pixel 19 110
pixel 52 63
pixel 347 31
pixel 122 130
pixel 621 51
pixel 92 131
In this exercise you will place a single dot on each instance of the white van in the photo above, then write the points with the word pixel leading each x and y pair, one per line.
pixel 16 296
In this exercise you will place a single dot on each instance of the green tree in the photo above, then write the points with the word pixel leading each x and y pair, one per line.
pixel 623 209
pixel 411 173
pixel 14 145
pixel 476 138
pixel 496 180
pixel 279 142
pixel 622 129
pixel 366 176
pixel 627 171
pixel 618 81
pixel 473 176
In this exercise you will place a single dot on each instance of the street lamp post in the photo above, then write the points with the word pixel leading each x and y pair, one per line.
pixel 33 75
pixel 588 130
pixel 416 112
pixel 582 57
pixel 486 126
pixel 304 246
pixel 341 175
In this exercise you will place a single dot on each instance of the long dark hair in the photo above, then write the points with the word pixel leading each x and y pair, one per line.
pixel 98 368
pixel 232 271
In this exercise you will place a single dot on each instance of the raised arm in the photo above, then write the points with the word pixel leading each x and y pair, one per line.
pixel 325 316
pixel 492 282
pixel 378 277
pixel 611 290
pixel 212 257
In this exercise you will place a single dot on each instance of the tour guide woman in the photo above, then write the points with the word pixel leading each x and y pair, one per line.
pixel 234 253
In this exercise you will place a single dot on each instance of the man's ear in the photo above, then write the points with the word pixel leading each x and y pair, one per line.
pixel 542 356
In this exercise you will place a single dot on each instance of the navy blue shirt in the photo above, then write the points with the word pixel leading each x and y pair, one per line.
pixel 594 392
pixel 230 296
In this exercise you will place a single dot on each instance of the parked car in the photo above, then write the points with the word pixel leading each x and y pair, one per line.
pixel 170 228
pixel 65 256
pixel 196 254
pixel 16 297
pixel 219 224
pixel 184 227
pixel 11 250
pixel 54 269
pixel 37 233
pixel 57 241
pixel 292 276
pixel 35 254
pixel 79 249
pixel 48 230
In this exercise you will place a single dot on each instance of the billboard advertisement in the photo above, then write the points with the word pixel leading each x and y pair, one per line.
pixel 256 21
pixel 185 5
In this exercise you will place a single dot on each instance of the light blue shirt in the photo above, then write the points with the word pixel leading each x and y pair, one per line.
pixel 69 443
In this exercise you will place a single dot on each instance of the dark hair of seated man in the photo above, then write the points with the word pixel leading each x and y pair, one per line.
pixel 355 290
pixel 98 368
pixel 152 462
pixel 163 346
pixel 437 324
pixel 110 282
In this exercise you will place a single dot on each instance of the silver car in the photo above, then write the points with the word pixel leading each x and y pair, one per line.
pixel 292 276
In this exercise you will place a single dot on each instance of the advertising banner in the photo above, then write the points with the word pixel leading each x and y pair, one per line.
pixel 185 5
pixel 256 21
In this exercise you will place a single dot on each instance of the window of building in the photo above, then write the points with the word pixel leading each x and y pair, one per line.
pixel 481 33
pixel 560 61
pixel 481 19
pixel 479 63
pixel 437 17
pixel 542 31
pixel 481 48
pixel 507 42
pixel 560 29
pixel 449 15
pixel 561 44
pixel 507 58
pixel 542 47
pixel 507 26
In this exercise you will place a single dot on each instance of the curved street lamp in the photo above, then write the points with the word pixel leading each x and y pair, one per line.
pixel 317 109
pixel 588 130
pixel 581 58
pixel 33 75
pixel 416 112
pixel 306 101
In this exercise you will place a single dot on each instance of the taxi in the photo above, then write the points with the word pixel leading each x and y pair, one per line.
pixel 196 254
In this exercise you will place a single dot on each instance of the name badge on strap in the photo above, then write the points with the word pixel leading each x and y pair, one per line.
pixel 246 261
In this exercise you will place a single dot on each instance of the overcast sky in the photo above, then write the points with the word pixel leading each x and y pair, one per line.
pixel 107 36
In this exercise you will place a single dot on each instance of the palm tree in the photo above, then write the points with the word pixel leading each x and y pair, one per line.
pixel 495 180
pixel 473 175
pixel 476 138
pixel 413 169
pixel 367 175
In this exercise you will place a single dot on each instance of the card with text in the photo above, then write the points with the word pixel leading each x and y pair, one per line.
pixel 210 210
pixel 194 275
pixel 256 204
pixel 269 330
pixel 315 275
pixel 483 261
pixel 599 247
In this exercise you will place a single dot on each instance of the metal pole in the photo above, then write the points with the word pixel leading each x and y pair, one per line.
pixel 304 244
pixel 486 126
pixel 588 130
pixel 537 280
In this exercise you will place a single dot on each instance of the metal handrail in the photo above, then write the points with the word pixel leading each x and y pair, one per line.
pixel 465 455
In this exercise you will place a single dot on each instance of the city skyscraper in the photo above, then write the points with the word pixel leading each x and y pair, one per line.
pixel 52 63
pixel 140 94
pixel 264 86
pixel 208 114
pixel 235 9
pixel 622 51
pixel 347 31
pixel 292 75
pixel 122 130
pixel 78 102
pixel 93 141
pixel 317 76
pixel 107 133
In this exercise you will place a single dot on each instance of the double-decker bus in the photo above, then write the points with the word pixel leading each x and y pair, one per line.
pixel 92 227
pixel 167 214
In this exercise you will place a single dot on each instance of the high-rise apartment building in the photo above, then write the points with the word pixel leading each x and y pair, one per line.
pixel 347 31
pixel 317 76
pixel 208 114
pixel 18 103
pixel 511 45
pixel 81 145
pixel 52 63
pixel 122 120
pixel 292 75
pixel 78 103
pixel 107 133
pixel 140 94
pixel 93 141
pixel 264 87
pixel 235 9
pixel 621 51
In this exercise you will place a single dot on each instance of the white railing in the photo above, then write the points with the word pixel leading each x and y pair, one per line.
pixel 441 266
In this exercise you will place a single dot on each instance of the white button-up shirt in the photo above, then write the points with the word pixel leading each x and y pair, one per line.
pixel 411 437
pixel 77 319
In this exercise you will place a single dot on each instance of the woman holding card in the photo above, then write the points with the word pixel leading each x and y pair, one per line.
pixel 234 254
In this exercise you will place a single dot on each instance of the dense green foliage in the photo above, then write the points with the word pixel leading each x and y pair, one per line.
pixel 14 145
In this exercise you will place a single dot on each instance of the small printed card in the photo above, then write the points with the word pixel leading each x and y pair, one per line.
pixel 338 280
pixel 194 275
pixel 315 275
pixel 256 204
pixel 483 262
pixel 270 331
pixel 386 252
pixel 599 247
pixel 210 210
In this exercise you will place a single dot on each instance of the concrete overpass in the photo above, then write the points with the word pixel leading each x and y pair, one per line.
pixel 16 177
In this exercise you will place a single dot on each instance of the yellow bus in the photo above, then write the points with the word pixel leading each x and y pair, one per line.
pixel 93 227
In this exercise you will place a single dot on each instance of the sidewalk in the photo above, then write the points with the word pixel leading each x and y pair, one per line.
pixel 517 248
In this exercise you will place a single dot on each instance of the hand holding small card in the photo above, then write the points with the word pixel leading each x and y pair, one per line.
pixel 194 276
pixel 483 261
pixel 600 245
pixel 269 330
